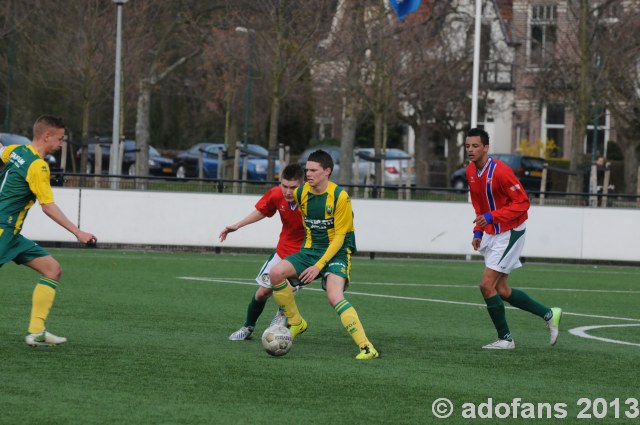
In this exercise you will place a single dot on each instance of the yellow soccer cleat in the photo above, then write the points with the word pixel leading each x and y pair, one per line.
pixel 367 352
pixel 298 329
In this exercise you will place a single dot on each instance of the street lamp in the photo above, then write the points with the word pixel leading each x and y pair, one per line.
pixel 114 164
pixel 247 93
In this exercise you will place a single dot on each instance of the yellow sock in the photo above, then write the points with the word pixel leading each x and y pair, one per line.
pixel 351 322
pixel 283 294
pixel 43 296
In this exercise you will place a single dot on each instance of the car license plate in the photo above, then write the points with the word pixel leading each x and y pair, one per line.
pixel 536 173
pixel 167 170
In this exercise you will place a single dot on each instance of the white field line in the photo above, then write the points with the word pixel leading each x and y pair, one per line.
pixel 397 297
pixel 582 333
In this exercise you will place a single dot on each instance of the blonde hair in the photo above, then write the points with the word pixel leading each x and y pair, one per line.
pixel 45 122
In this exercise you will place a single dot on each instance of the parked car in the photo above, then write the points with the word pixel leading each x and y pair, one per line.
pixel 186 163
pixel 158 164
pixel 528 169
pixel 397 164
pixel 15 139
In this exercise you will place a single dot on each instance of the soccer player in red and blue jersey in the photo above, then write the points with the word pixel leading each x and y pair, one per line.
pixel 501 206
pixel 278 199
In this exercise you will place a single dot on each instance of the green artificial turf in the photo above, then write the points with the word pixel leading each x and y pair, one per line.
pixel 148 344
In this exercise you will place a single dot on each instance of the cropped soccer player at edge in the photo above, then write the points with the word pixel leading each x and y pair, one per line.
pixel 326 251
pixel 501 206
pixel 24 179
pixel 278 199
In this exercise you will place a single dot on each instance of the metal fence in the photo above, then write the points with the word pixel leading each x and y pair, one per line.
pixel 405 193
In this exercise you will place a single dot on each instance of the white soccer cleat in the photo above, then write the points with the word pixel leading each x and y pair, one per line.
pixel 279 319
pixel 554 325
pixel 44 339
pixel 501 344
pixel 241 334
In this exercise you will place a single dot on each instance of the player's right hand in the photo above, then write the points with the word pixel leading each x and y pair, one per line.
pixel 86 238
pixel 226 231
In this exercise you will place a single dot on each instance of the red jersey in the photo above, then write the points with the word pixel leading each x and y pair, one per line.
pixel 292 233
pixel 497 190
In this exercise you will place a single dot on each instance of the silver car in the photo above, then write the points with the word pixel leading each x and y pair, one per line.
pixel 397 163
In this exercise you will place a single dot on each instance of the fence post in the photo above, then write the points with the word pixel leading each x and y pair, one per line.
pixel 638 187
pixel 220 168
pixel 281 157
pixel 355 174
pixel 605 185
pixel 408 181
pixel 400 179
pixel 543 183
pixel 97 164
pixel 200 168
pixel 236 167
pixel 593 186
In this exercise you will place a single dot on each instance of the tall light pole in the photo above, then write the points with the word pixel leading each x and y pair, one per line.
pixel 248 84
pixel 115 140
pixel 476 65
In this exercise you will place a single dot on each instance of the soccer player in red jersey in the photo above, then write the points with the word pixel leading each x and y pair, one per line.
pixel 501 206
pixel 278 199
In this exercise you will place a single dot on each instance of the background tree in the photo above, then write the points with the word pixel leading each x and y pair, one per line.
pixel 619 47
pixel 153 52
pixel 436 80
pixel 288 34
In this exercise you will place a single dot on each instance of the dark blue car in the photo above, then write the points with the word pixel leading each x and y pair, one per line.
pixel 186 163
pixel 528 169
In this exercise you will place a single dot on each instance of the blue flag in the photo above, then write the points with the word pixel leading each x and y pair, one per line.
pixel 404 7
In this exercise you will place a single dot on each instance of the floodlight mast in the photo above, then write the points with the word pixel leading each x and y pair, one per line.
pixel 114 163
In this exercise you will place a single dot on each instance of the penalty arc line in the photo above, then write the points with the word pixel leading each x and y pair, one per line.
pixel 582 333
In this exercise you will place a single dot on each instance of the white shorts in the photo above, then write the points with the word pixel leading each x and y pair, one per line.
pixel 263 276
pixel 502 251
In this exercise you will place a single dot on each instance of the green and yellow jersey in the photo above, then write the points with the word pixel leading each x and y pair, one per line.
pixel 327 218
pixel 24 179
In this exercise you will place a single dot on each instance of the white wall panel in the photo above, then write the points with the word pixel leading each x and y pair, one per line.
pixel 159 218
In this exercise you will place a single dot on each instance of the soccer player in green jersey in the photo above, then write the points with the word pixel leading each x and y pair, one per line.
pixel 25 178
pixel 328 244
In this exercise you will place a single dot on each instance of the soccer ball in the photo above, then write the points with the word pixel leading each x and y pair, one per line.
pixel 277 340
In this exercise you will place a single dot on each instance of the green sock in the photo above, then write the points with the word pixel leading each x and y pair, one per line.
pixel 495 307
pixel 254 311
pixel 524 302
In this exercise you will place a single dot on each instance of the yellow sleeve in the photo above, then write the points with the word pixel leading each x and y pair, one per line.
pixel 6 152
pixel 343 218
pixel 39 179
pixel 342 224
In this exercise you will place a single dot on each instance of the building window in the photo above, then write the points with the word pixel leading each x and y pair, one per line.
pixel 602 134
pixel 553 130
pixel 542 34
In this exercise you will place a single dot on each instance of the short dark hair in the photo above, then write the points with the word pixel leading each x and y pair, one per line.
pixel 478 132
pixel 293 172
pixel 44 122
pixel 322 158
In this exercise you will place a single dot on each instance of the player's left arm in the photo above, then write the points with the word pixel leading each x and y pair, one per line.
pixel 38 178
pixel 518 199
pixel 342 223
